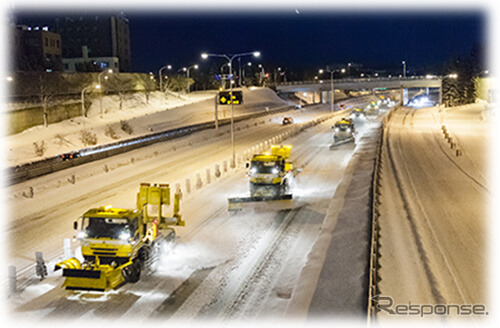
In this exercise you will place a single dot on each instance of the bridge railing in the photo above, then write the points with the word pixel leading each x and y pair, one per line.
pixel 368 79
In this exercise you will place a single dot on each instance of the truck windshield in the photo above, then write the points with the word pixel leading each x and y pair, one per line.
pixel 105 227
pixel 264 167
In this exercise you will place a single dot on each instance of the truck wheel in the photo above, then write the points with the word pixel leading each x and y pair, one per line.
pixel 144 254
pixel 132 273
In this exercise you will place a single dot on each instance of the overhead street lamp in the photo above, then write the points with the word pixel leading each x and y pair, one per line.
pixel 262 74
pixel 187 73
pixel 161 79
pixel 109 71
pixel 230 61
pixel 249 64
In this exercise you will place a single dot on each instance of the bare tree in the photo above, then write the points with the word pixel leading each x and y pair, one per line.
pixel 121 84
pixel 179 83
pixel 148 84
pixel 48 86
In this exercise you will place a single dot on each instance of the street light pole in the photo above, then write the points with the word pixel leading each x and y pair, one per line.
pixel 262 74
pixel 187 74
pixel 98 86
pixel 230 63
pixel 333 90
pixel 161 79
pixel 332 98
pixel 404 69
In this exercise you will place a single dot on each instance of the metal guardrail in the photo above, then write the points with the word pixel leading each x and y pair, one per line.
pixel 374 241
pixel 24 172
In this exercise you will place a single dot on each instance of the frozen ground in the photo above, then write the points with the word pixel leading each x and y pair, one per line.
pixel 434 207
pixel 161 113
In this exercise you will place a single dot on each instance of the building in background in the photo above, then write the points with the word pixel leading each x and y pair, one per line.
pixel 35 49
pixel 90 64
pixel 86 43
pixel 99 38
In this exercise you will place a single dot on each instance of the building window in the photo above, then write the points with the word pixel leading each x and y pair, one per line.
pixel 46 42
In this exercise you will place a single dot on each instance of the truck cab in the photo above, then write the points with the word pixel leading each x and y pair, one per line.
pixel 270 173
pixel 343 129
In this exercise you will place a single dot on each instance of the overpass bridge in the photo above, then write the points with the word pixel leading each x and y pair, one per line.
pixel 403 84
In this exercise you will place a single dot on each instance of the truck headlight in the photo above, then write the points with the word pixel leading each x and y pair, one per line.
pixel 81 235
pixel 275 171
pixel 253 170
pixel 124 235
pixel 337 130
pixel 348 130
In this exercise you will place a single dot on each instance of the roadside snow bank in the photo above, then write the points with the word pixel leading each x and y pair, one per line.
pixel 335 279
pixel 136 117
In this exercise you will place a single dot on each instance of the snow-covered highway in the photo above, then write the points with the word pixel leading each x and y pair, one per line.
pixel 434 206
pixel 243 265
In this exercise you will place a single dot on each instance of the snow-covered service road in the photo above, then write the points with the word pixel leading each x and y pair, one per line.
pixel 227 266
pixel 433 212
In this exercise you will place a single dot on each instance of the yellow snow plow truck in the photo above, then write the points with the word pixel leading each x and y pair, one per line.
pixel 270 175
pixel 116 244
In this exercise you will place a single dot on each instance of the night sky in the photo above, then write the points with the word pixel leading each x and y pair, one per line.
pixel 305 40
pixel 308 39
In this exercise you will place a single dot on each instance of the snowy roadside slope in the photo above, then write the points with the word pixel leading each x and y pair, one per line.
pixel 158 115
pixel 334 281
pixel 433 212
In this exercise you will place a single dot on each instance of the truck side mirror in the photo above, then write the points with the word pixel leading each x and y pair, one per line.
pixel 247 165
pixel 75 225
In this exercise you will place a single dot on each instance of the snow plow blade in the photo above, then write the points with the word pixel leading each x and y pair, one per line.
pixel 102 278
pixel 233 202
pixel 341 142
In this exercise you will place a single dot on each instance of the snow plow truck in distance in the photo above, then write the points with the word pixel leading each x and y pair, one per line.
pixel 117 244
pixel 343 132
pixel 270 176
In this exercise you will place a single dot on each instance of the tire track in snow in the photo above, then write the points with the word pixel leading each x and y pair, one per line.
pixel 417 200
pixel 235 291
pixel 431 278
